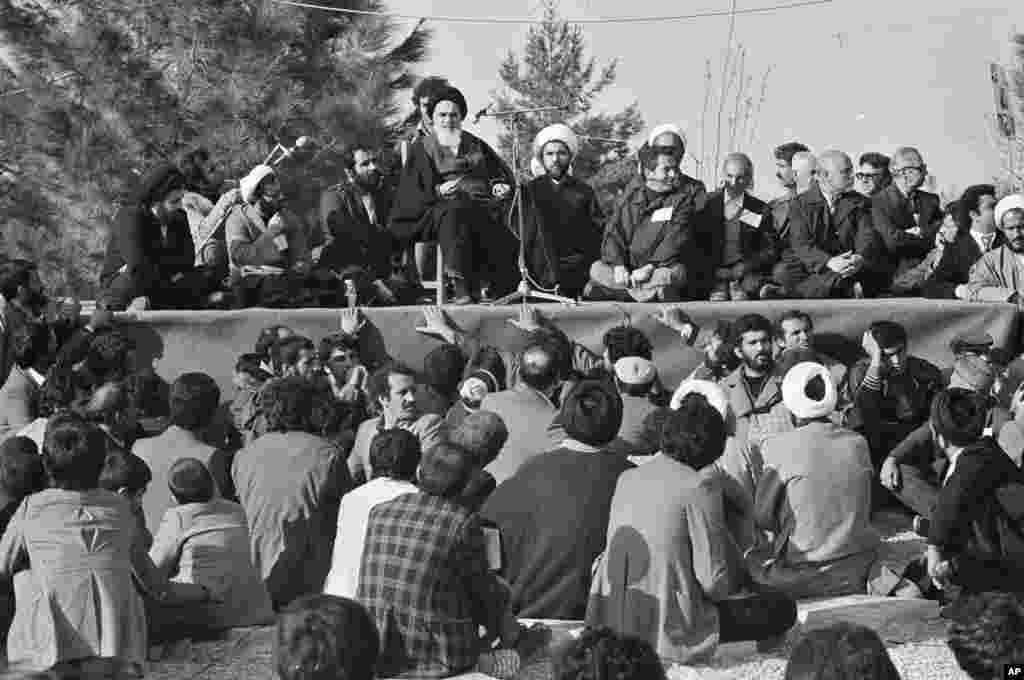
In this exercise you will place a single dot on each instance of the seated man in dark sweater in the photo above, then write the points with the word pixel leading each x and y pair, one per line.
pixel 553 513
pixel 890 390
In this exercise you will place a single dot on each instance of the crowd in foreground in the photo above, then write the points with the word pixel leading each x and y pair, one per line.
pixel 282 236
pixel 404 520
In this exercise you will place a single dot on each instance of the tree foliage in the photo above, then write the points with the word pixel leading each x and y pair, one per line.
pixel 554 70
pixel 94 92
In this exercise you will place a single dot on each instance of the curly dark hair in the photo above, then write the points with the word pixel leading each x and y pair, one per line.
pixel 785 152
pixel 602 654
pixel 843 651
pixel 194 398
pixel 627 341
pixel 59 391
pixel 107 358
pixel 987 633
pixel 695 433
pixel 74 452
pixel 124 470
pixel 21 468
pixel 288 405
pixel 325 637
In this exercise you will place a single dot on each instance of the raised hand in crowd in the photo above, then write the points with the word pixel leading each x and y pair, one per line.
pixel 351 321
pixel 529 319
pixel 676 319
pixel 437 324
pixel 871 348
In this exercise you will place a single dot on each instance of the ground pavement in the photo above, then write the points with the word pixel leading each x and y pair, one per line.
pixel 912 630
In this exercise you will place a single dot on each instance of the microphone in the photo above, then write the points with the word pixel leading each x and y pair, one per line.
pixel 480 114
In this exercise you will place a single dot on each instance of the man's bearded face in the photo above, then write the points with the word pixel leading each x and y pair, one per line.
pixel 365 170
pixel 755 350
pixel 270 194
pixel 1013 230
pixel 556 158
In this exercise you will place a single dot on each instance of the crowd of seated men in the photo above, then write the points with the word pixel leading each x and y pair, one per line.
pixel 283 236
pixel 414 514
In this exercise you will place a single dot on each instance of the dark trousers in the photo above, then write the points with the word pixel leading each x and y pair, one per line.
pixel 792 275
pixel 189 292
pixel 919 489
pixel 474 245
pixel 759 616
pixel 289 290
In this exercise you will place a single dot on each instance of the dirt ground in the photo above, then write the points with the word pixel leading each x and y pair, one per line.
pixel 912 630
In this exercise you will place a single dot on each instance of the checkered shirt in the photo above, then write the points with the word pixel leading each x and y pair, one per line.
pixel 425 581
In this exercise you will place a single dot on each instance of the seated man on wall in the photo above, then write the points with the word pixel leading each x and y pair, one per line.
pixel 204 186
pixel 642 256
pixel 999 275
pixel 872 173
pixel 832 245
pixel 269 248
pixel 150 254
pixel 905 216
pixel 562 220
pixel 736 237
pixel 815 496
pixel 354 219
pixel 953 270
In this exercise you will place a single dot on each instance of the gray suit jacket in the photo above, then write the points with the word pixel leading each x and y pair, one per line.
pixel 527 414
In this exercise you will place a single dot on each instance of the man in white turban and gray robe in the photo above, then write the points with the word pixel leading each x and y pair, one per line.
pixel 563 223
pixel 999 275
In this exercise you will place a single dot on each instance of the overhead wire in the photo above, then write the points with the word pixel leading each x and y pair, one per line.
pixel 534 20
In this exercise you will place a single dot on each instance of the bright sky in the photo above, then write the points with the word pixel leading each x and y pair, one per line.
pixel 857 75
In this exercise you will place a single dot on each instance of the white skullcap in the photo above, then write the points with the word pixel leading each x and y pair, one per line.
pixel 794 391
pixel 1011 202
pixel 662 129
pixel 559 132
pixel 635 371
pixel 247 185
pixel 714 393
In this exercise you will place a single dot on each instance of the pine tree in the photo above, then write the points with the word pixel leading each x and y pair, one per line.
pixel 554 70
pixel 92 94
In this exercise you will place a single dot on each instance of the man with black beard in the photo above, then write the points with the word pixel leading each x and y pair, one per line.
pixel 755 388
pixel 354 218
pixel 150 254
pixel 562 225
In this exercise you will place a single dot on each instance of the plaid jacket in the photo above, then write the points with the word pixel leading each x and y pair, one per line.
pixel 424 579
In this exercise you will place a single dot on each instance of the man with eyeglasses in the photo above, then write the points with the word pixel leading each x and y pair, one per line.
pixel 872 173
pixel 999 275
pixel 906 217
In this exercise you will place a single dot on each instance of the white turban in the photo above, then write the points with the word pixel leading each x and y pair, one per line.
pixel 559 132
pixel 662 129
pixel 247 185
pixel 714 393
pixel 794 391
pixel 1011 202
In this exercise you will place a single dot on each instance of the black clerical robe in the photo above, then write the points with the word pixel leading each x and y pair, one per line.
pixel 563 228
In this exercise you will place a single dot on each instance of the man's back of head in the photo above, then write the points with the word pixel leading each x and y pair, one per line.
pixel 194 399
pixel 444 470
pixel 592 413
pixel 395 453
pixel 483 434
pixel 539 366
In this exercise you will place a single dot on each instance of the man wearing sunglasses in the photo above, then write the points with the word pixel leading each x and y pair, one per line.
pixel 872 173
pixel 905 216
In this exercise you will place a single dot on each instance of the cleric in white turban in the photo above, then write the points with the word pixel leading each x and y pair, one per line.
pixel 563 223
pixel 998 276
pixel 814 496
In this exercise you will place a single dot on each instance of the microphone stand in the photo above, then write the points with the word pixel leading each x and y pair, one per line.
pixel 525 291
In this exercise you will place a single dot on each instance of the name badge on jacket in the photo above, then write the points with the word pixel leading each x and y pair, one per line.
pixel 751 219
pixel 662 215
